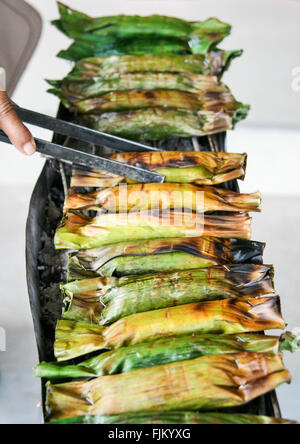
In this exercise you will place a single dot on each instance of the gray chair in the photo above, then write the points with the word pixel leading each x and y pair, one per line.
pixel 20 30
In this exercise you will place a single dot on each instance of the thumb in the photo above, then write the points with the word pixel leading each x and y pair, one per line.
pixel 10 123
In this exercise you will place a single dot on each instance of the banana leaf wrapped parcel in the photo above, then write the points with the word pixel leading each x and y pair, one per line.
pixel 162 255
pixel 164 351
pixel 142 91
pixel 199 168
pixel 74 23
pixel 74 92
pixel 123 34
pixel 106 300
pixel 159 123
pixel 207 383
pixel 177 418
pixel 214 98
pixel 213 63
pixel 90 45
pixel 78 231
pixel 229 317
pixel 163 196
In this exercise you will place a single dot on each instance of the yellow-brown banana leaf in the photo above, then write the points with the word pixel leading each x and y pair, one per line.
pixel 230 316
pixel 163 196
pixel 200 168
pixel 106 300
pixel 207 383
pixel 78 231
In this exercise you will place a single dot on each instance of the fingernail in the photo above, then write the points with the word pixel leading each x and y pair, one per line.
pixel 29 148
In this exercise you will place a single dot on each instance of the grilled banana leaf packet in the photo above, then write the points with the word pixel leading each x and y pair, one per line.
pixel 75 94
pixel 163 196
pixel 213 63
pixel 198 168
pixel 228 317
pixel 162 255
pixel 121 35
pixel 75 23
pixel 145 91
pixel 80 232
pixel 177 418
pixel 207 383
pixel 105 300
pixel 135 104
pixel 165 351
pixel 159 123
pixel 90 45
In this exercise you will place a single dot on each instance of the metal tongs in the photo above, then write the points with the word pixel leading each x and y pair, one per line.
pixel 71 155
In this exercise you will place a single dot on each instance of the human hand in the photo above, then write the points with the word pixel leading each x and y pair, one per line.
pixel 10 123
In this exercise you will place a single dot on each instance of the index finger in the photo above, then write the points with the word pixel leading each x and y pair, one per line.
pixel 18 134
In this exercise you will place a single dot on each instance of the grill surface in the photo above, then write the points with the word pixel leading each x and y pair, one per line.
pixel 46 267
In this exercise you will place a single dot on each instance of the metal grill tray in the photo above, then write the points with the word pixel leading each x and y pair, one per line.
pixel 46 267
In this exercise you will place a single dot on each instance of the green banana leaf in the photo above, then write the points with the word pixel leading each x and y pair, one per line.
pixel 230 316
pixel 162 255
pixel 162 351
pixel 214 63
pixel 75 91
pixel 289 342
pixel 159 123
pixel 106 300
pixel 207 383
pixel 139 35
pixel 90 45
pixel 74 23
pixel 78 231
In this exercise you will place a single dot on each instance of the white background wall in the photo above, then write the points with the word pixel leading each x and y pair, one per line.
pixel 269 32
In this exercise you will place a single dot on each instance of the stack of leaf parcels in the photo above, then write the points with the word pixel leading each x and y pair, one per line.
pixel 148 77
pixel 167 295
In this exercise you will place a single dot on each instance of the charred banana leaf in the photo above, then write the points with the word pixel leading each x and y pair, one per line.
pixel 74 91
pixel 106 35
pixel 213 63
pixel 78 231
pixel 207 383
pixel 177 418
pixel 160 352
pixel 147 90
pixel 163 196
pixel 163 255
pixel 106 300
pixel 230 316
pixel 199 168
pixel 159 123
pixel 215 98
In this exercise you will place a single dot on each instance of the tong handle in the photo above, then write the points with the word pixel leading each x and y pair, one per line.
pixel 91 161
pixel 79 132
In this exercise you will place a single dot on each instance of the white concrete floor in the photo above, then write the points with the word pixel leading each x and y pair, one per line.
pixel 20 391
